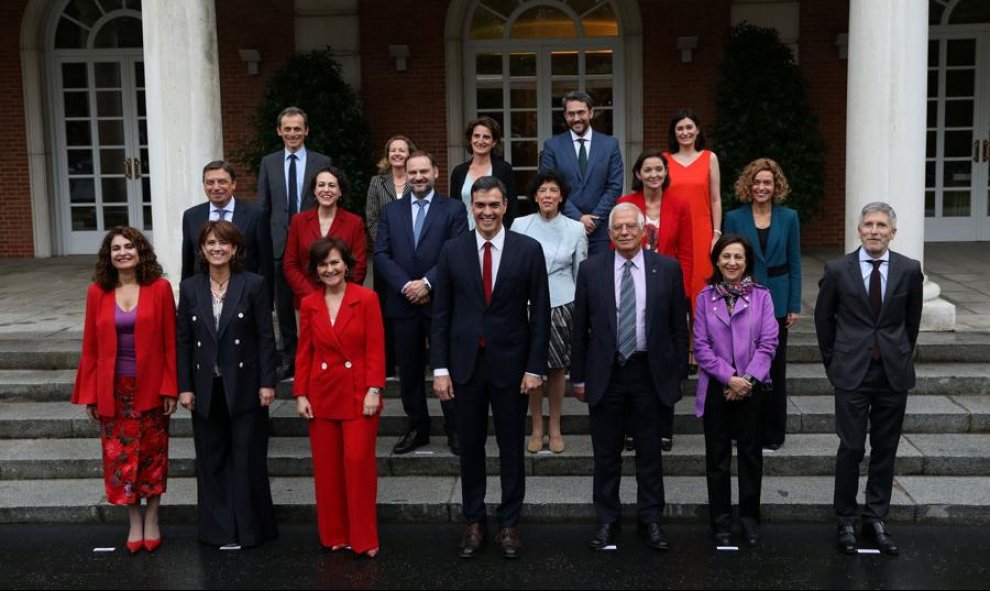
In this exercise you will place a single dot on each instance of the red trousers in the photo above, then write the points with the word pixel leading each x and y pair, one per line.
pixel 135 448
pixel 346 480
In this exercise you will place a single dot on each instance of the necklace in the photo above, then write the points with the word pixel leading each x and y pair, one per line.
pixel 221 286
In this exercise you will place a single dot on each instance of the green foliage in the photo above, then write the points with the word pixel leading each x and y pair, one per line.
pixel 337 125
pixel 763 111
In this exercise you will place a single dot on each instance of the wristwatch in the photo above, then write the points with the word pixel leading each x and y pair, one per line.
pixel 374 390
pixel 750 379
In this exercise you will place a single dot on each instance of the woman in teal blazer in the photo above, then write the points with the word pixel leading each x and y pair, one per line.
pixel 775 233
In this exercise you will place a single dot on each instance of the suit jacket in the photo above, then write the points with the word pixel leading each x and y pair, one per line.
pixel 740 343
pixel 783 252
pixel 273 198
pixel 847 330
pixel 249 220
pixel 337 363
pixel 399 261
pixel 501 170
pixel 595 344
pixel 303 232
pixel 596 191
pixel 243 348
pixel 515 325
pixel 154 346
pixel 381 192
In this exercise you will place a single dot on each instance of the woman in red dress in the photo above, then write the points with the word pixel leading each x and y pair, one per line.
pixel 340 373
pixel 694 178
pixel 126 376
pixel 326 219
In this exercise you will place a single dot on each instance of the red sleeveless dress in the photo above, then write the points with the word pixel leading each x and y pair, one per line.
pixel 690 184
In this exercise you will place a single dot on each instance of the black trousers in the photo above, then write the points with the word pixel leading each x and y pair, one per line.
pixel 381 287
pixel 233 492
pixel 725 421
pixel 774 401
pixel 509 415
pixel 629 400
pixel 412 335
pixel 876 405
pixel 286 312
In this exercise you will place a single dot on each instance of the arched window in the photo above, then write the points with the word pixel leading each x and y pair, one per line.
pixel 958 12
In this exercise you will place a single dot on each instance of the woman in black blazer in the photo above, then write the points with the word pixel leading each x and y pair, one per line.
pixel 484 138
pixel 226 377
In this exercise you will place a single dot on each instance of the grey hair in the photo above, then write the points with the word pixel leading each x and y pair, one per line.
pixel 878 206
pixel 577 95
pixel 640 218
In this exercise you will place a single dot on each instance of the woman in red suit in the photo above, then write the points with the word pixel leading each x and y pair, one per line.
pixel 126 376
pixel 668 232
pixel 340 371
pixel 327 219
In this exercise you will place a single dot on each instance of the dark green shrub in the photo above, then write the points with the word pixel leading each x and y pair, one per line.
pixel 763 111
pixel 337 125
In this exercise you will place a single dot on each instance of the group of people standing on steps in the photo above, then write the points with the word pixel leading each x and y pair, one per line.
pixel 628 294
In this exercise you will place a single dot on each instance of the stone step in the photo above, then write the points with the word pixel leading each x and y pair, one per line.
pixel 803 379
pixel 803 455
pixel 926 499
pixel 933 347
pixel 806 414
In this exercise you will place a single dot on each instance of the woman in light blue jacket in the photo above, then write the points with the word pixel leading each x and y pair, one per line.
pixel 735 336
pixel 565 245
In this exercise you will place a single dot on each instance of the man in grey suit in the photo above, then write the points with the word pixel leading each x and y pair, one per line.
pixel 283 191
pixel 592 166
pixel 867 319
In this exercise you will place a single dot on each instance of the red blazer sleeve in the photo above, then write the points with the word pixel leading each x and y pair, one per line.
pixel 169 386
pixel 296 257
pixel 304 348
pixel 84 391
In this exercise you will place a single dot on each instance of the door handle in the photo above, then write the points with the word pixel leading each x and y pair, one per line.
pixel 136 168
pixel 976 150
pixel 986 150
pixel 128 169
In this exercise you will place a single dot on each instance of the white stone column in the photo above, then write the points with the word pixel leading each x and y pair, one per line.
pixel 885 128
pixel 182 80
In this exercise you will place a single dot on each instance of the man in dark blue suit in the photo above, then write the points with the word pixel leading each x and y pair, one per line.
pixel 219 184
pixel 628 357
pixel 592 166
pixel 411 232
pixel 491 332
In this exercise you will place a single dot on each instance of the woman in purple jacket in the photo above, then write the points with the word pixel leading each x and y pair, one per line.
pixel 735 337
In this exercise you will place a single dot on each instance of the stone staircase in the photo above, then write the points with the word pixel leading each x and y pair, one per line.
pixel 50 469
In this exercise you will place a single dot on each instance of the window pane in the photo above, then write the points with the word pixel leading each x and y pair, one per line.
pixel 143 132
pixel 522 64
pixel 601 22
pixel 83 219
pixel 935 13
pixel 525 153
pixel 603 121
pixel 70 35
pixel 497 116
pixel 120 32
pixel 598 62
pixel 74 76
pixel 108 104
pixel 77 133
pixel 84 11
pixel 486 25
pixel 112 162
pixel 544 22
pixel 929 204
pixel 957 174
pixel 601 95
pixel 146 191
pixel 933 49
pixel 80 161
pixel 955 204
pixel 524 124
pixel 489 98
pixel 81 191
pixel 115 216
pixel 143 162
pixel 114 190
pixel 147 218
pixel 930 145
pixel 107 74
pixel 961 52
pixel 564 63
pixel 488 64
pixel 582 6
pixel 111 132
pixel 139 74
pixel 76 104
pixel 523 178
pixel 930 174
pixel 960 82
pixel 958 144
pixel 959 113
pixel 932 119
pixel 932 83
pixel 970 12
pixel 522 97
pixel 503 7
pixel 141 110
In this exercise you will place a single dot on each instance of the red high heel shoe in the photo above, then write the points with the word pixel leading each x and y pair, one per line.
pixel 135 547
pixel 152 545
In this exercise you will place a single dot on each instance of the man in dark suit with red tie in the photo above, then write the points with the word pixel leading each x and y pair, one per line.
pixel 628 357
pixel 491 332
pixel 867 319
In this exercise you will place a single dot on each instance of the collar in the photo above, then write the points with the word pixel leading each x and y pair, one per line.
pixel 498 241
pixel 575 137
pixel 620 261
pixel 865 258
pixel 428 198
pixel 300 153
pixel 229 207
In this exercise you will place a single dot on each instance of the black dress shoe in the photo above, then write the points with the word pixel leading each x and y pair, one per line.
pixel 411 441
pixel 630 443
pixel 454 443
pixel 846 539
pixel 604 536
pixel 507 539
pixel 877 533
pixel 666 443
pixel 653 536
pixel 722 537
pixel 751 531
pixel 473 539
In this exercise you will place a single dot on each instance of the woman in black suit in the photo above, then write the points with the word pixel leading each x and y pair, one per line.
pixel 484 137
pixel 226 377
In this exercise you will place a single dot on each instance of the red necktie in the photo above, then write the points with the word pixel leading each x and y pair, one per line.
pixel 486 273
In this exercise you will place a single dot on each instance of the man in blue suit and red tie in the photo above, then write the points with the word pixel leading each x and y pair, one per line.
pixel 592 166
pixel 491 332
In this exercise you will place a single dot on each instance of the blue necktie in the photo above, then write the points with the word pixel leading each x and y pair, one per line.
pixel 626 331
pixel 420 217
pixel 293 188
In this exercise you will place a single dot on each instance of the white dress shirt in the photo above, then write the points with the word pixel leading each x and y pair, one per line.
pixel 577 144
pixel 866 268
pixel 229 209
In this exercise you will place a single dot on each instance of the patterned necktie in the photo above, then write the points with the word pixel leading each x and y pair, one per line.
pixel 582 156
pixel 420 217
pixel 221 215
pixel 293 188
pixel 626 331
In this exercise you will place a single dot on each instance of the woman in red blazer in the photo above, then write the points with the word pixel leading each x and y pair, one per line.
pixel 340 371
pixel 126 376
pixel 668 232
pixel 327 219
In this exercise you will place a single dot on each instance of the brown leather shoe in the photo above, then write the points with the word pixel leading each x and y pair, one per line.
pixel 508 541
pixel 473 538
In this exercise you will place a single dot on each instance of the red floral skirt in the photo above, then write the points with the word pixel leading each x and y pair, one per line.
pixel 135 448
